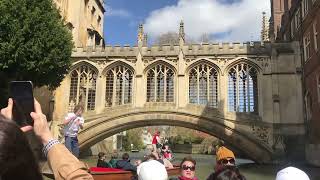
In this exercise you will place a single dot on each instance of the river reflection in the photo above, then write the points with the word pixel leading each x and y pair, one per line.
pixel 248 168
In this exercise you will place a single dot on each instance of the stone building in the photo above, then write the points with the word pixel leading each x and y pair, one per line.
pixel 248 89
pixel 84 18
pixel 302 23
pixel 278 8
pixel 246 93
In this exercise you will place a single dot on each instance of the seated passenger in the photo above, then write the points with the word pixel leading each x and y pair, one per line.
pixel 166 152
pixel 225 168
pixel 102 161
pixel 162 160
pixel 125 163
pixel 113 160
pixel 187 169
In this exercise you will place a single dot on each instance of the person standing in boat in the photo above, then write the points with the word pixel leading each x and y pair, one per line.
pixel 73 122
pixel 156 142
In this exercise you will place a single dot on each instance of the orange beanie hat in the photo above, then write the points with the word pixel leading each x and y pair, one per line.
pixel 224 153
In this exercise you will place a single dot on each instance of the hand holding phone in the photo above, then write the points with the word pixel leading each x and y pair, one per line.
pixel 23 102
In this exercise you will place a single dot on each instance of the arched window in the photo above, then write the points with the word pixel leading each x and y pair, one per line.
pixel 118 86
pixel 160 84
pixel 83 87
pixel 243 88
pixel 203 85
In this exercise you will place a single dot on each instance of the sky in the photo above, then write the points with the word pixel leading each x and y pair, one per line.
pixel 221 20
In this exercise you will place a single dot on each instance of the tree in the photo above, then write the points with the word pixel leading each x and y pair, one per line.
pixel 34 43
pixel 133 136
pixel 168 38
pixel 205 38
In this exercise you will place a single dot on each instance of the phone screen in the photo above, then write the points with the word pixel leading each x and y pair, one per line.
pixel 23 103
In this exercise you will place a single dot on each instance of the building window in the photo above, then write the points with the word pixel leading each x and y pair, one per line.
pixel 292 29
pixel 318 88
pixel 118 86
pixel 308 100
pixel 306 45
pixel 243 88
pixel 315 35
pixel 203 85
pixel 305 7
pixel 99 21
pixel 160 84
pixel 93 11
pixel 83 87
pixel 297 19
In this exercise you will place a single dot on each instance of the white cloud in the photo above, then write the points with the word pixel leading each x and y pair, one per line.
pixel 241 19
pixel 117 12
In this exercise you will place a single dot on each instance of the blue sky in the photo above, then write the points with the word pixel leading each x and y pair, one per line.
pixel 223 20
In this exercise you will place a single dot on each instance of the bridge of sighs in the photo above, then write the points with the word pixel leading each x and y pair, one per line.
pixel 247 94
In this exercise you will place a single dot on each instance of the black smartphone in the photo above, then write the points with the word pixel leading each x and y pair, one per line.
pixel 23 103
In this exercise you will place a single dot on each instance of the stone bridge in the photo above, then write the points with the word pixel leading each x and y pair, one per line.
pixel 246 132
pixel 248 94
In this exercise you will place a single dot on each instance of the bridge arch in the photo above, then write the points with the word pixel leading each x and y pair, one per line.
pixel 103 126
pixel 160 61
pixel 119 62
pixel 241 60
pixel 202 60
pixel 81 63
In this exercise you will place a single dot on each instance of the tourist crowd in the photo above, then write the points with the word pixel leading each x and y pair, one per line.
pixel 18 162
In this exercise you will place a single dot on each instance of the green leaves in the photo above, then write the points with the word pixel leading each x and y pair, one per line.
pixel 34 42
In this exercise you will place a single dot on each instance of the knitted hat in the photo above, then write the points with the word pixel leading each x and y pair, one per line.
pixel 290 173
pixel 224 153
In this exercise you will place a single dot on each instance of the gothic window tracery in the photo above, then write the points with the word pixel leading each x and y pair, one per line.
pixel 118 86
pixel 203 85
pixel 83 87
pixel 243 88
pixel 160 84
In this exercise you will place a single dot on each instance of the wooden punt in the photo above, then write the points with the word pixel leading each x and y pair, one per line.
pixel 112 174
pixel 123 175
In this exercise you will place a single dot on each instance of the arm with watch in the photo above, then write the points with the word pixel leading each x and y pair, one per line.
pixel 63 164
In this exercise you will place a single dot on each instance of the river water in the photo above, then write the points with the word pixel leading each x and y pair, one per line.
pixel 248 168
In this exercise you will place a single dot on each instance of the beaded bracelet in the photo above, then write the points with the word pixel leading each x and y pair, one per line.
pixel 49 145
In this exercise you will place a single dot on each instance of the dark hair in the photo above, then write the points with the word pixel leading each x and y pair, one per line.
pixel 125 156
pixel 188 158
pixel 77 108
pixel 101 154
pixel 17 160
pixel 230 173
pixel 114 156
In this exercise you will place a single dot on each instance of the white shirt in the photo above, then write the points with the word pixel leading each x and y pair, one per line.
pixel 71 129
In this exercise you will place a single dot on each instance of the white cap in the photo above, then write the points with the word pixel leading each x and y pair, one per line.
pixel 152 170
pixel 291 173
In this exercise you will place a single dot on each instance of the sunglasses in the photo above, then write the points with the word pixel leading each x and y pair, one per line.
pixel 225 161
pixel 192 168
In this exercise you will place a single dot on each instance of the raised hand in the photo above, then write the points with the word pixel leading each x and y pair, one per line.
pixel 40 125
pixel 7 113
